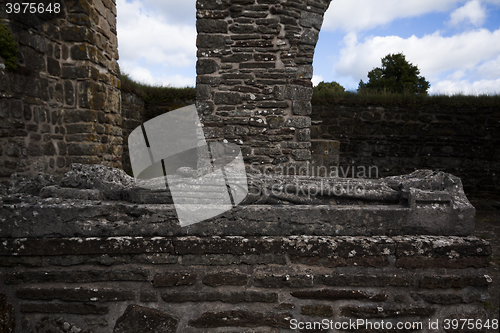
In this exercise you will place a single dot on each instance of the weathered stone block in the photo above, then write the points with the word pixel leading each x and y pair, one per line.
pixel 83 149
pixel 211 14
pixel 140 319
pixel 73 72
pixel 253 65
pixel 7 318
pixel 301 108
pixel 365 280
pixel 231 98
pixel 77 34
pixel 211 26
pixel 91 95
pixel 78 294
pixel 275 121
pixel 317 310
pixel 206 66
pixel 76 276
pixel 241 318
pixel 269 280
pixel 70 308
pixel 332 295
pixel 237 58
pixel 304 135
pixel 242 28
pixel 33 59
pixel 174 279
pixel 298 122
pixel 210 41
pixel 301 154
pixel 387 312
pixel 225 279
pixel 229 297
pixel 432 282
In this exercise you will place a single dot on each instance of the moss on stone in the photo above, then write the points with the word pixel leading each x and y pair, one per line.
pixel 8 47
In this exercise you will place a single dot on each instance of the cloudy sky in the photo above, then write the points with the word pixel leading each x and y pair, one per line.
pixel 454 43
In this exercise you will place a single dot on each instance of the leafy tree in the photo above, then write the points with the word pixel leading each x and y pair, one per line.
pixel 395 76
pixel 329 88
pixel 327 92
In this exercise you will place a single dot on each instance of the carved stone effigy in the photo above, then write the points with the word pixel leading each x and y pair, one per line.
pixel 424 202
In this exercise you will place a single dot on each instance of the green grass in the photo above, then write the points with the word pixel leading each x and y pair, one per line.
pixel 391 99
pixel 156 95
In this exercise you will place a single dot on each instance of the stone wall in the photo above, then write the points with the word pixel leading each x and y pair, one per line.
pixel 135 111
pixel 213 284
pixel 96 252
pixel 62 103
pixel 254 75
pixel 464 141
pixel 132 111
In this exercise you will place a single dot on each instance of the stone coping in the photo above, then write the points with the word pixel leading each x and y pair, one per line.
pixel 68 218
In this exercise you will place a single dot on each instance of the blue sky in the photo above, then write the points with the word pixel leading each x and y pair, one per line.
pixel 454 43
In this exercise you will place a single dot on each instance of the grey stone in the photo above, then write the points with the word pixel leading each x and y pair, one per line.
pixel 145 320
pixel 70 193
pixel 296 92
pixel 206 66
pixel 231 98
pixel 242 28
pixel 47 325
pixel 23 184
pixel 7 318
pixel 210 41
pixel 336 205
pixel 110 182
pixel 301 154
pixel 309 20
pixel 211 26
pixel 298 122
pixel 301 108
pixel 4 108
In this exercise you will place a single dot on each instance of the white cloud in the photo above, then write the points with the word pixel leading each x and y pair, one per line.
pixel 144 35
pixel 316 79
pixel 357 15
pixel 174 11
pixel 472 53
pixel 472 12
pixel 465 87
pixel 144 75
pixel 490 69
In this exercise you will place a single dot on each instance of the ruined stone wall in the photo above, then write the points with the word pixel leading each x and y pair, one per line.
pixel 207 284
pixel 135 111
pixel 62 103
pixel 98 253
pixel 463 141
pixel 254 75
pixel 132 111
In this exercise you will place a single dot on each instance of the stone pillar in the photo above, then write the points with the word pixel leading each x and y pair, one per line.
pixel 254 76
pixel 62 103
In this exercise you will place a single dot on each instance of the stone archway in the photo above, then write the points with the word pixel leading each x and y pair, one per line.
pixel 254 75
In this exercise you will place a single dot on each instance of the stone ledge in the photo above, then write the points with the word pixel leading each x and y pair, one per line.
pixel 315 247
pixel 100 219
